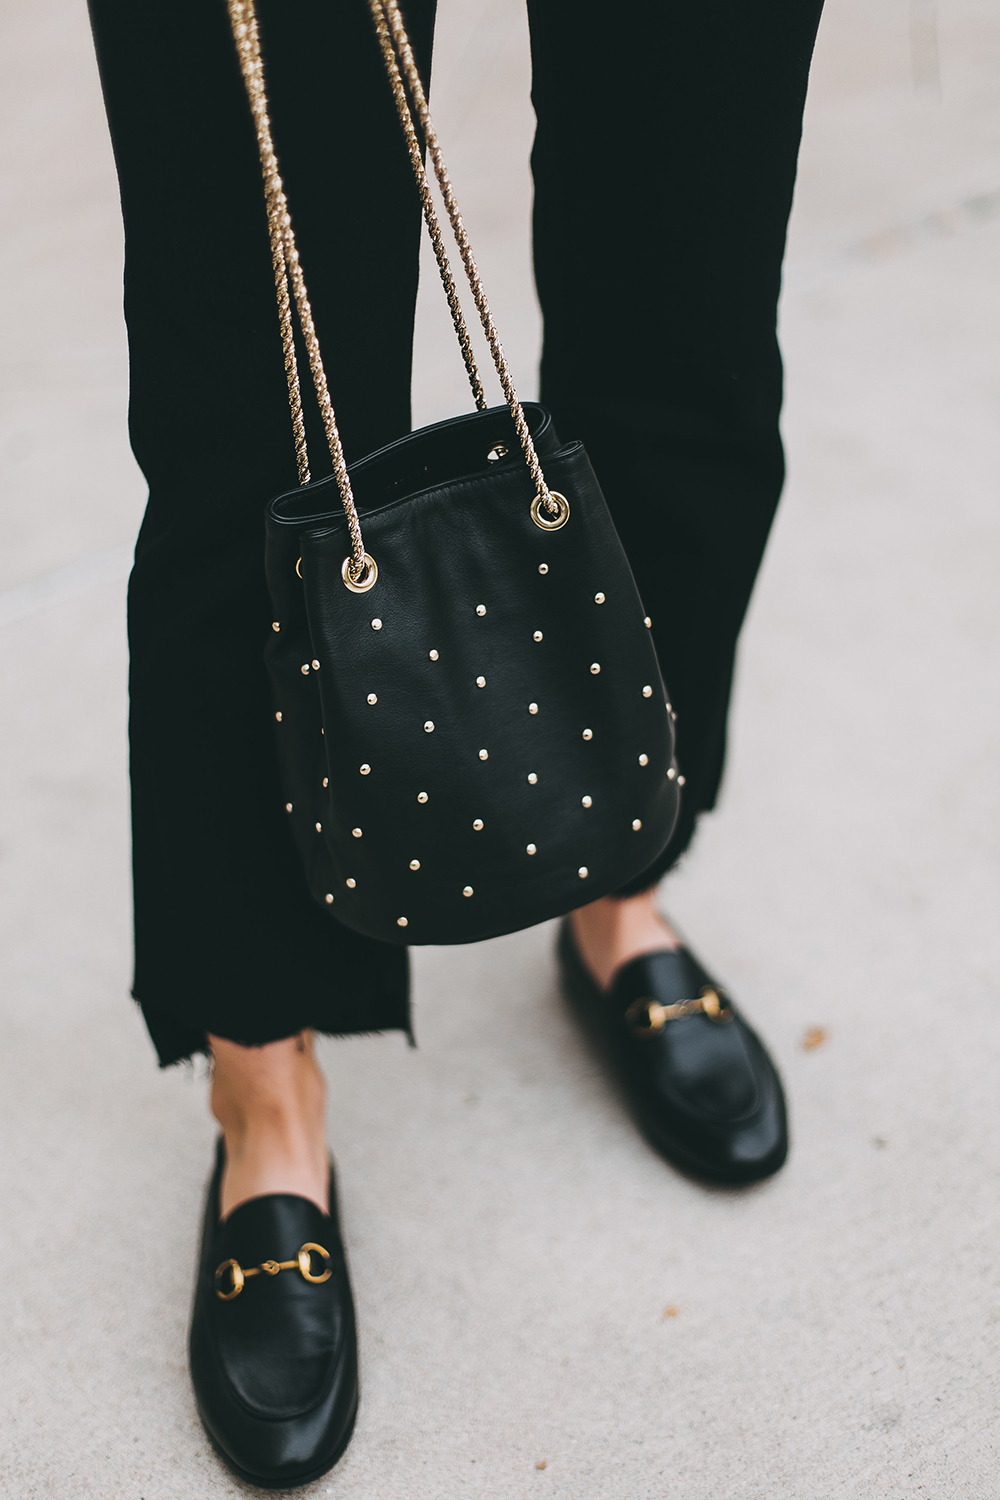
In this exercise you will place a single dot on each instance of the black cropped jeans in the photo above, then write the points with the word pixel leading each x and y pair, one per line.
pixel 664 163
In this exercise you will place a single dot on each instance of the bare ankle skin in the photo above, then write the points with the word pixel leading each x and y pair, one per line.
pixel 611 932
pixel 269 1102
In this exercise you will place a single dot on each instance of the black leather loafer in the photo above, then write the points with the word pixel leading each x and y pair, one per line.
pixel 274 1358
pixel 702 1087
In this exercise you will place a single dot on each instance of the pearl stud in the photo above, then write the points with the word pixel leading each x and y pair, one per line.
pixel 477 824
pixel 480 609
pixel 595 667
pixel 421 796
pixel 376 624
pixel 648 623
pixel 428 726
pixel 315 666
pixel 326 781
pixel 288 807
pixel 401 922
pixel 480 682
pixel 373 697
pixel 319 828
pixel 598 598
pixel 414 864
pixel 636 824
pixel 583 872
pixel 671 773
pixel 588 734
pixel 484 755
pixel 467 890
pixel 275 625
pixel 647 691
pixel 543 568
pixel 587 801
pixel 433 655
pixel 365 769
pixel 531 849
pixel 329 899
pixel 537 636
pixel 681 780
pixel 644 759
pixel 356 832
pixel 532 778
pixel 532 708
pixel 278 717
pixel 350 882
pixel 305 669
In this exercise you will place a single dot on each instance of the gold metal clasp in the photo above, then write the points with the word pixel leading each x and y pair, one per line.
pixel 301 1263
pixel 648 1017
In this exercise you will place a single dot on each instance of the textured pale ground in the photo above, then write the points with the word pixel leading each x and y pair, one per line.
pixel 513 1242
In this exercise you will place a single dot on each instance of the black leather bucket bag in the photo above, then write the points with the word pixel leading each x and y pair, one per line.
pixel 472 728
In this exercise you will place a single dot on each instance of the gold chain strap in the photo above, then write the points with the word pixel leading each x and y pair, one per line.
pixel 248 45
pixel 360 571
pixel 285 256
pixel 388 11
pixel 427 203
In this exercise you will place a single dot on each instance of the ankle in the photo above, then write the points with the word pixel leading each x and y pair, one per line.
pixel 280 1131
pixel 611 932
pixel 270 1103
pixel 276 1089
pixel 273 1110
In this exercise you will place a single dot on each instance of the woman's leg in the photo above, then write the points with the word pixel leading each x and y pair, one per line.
pixel 269 1102
pixel 664 165
pixel 228 941
pixel 230 949
pixel 611 932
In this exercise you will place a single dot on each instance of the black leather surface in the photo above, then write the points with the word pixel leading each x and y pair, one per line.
pixel 445 547
pixel 275 1369
pixel 705 1092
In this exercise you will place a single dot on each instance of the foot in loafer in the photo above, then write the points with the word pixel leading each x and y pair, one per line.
pixel 700 1083
pixel 273 1345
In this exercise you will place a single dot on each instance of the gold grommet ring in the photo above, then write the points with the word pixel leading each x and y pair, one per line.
pixel 543 517
pixel 367 579
pixel 305 1264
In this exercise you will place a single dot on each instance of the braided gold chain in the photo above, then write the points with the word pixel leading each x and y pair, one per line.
pixel 243 20
pixel 399 61
pixel 427 203
pixel 248 46
pixel 418 99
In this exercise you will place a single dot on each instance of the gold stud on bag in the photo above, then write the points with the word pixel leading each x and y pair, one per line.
pixel 483 543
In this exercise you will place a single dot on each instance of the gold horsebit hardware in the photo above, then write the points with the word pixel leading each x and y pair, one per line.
pixel 648 1017
pixel 302 1262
